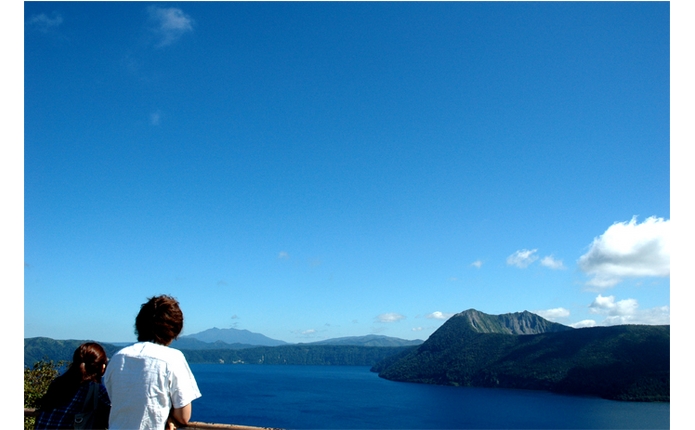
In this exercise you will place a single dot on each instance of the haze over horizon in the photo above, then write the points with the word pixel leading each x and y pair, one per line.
pixel 320 170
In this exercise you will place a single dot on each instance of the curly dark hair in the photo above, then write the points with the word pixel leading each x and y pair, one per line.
pixel 160 320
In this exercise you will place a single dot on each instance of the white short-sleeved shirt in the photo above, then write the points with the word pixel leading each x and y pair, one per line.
pixel 144 382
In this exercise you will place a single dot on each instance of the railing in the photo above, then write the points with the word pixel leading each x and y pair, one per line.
pixel 31 412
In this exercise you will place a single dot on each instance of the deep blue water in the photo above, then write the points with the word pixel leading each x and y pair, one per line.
pixel 346 397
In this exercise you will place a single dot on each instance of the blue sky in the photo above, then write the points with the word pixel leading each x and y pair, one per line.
pixel 319 170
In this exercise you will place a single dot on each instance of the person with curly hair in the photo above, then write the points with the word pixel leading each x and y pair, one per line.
pixel 150 384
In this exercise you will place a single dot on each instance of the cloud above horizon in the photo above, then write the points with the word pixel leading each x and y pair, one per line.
pixel 437 315
pixel 525 257
pixel 44 23
pixel 627 312
pixel 522 258
pixel 550 262
pixel 171 24
pixel 389 317
pixel 583 324
pixel 156 118
pixel 553 314
pixel 628 250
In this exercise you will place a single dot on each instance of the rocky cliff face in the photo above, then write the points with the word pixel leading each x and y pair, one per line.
pixel 514 323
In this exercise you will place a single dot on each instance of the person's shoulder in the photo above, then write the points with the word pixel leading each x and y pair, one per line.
pixel 128 349
pixel 170 352
pixel 162 352
pixel 151 352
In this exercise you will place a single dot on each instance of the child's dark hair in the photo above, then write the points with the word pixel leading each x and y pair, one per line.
pixel 160 320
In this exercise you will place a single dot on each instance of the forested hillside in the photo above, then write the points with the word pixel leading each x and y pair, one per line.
pixel 344 355
pixel 46 349
pixel 36 349
pixel 628 362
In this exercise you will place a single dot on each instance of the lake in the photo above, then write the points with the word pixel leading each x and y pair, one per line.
pixel 352 397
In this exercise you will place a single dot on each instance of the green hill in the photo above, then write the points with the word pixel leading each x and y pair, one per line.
pixel 44 348
pixel 628 362
pixel 369 340
pixel 341 355
pixel 41 348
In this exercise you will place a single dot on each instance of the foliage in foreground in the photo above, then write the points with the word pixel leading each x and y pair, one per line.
pixel 36 382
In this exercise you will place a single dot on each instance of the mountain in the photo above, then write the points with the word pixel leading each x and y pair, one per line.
pixel 43 348
pixel 516 323
pixel 302 354
pixel 233 336
pixel 195 344
pixel 369 340
pixel 523 350
pixel 37 349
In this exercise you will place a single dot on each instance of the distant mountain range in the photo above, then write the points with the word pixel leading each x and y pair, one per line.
pixel 232 336
pixel 215 339
pixel 369 340
pixel 523 350
pixel 190 343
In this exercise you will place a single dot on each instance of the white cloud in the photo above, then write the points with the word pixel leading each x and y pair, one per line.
pixel 417 329
pixel 608 305
pixel 553 314
pixel 628 249
pixel 584 323
pixel 550 262
pixel 282 255
pixel 627 312
pixel 43 22
pixel 310 333
pixel 477 263
pixel 522 258
pixel 171 22
pixel 437 315
pixel 389 317
pixel 155 118
pixel 660 315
